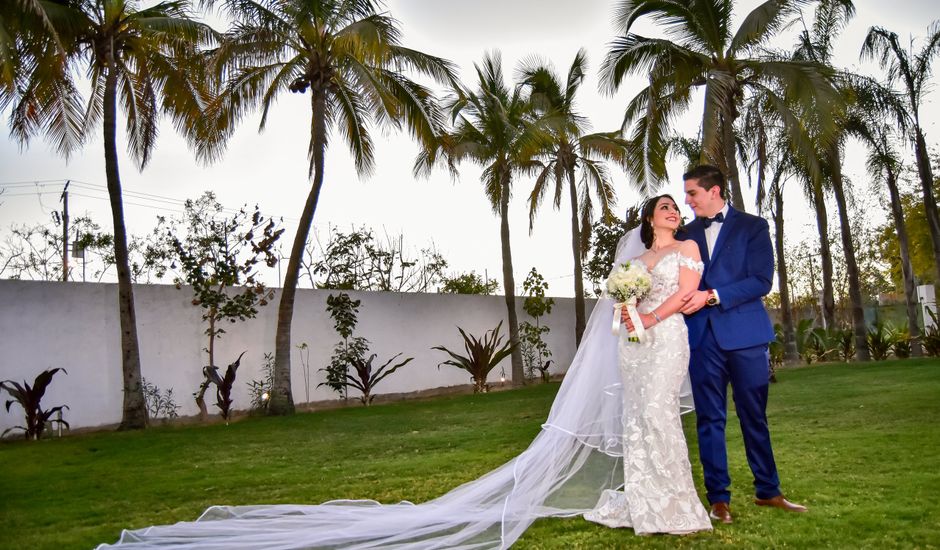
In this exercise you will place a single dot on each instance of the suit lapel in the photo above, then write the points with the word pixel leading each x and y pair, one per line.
pixel 726 229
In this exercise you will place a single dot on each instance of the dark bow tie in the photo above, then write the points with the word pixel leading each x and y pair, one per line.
pixel 719 218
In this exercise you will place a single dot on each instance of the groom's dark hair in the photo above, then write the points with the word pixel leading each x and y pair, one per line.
pixel 707 176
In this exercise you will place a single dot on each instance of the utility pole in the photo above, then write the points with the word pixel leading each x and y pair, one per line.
pixel 65 231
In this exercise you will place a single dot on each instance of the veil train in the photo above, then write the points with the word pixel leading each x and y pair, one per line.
pixel 576 456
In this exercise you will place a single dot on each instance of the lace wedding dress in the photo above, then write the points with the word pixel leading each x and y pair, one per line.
pixel 658 494
pixel 576 459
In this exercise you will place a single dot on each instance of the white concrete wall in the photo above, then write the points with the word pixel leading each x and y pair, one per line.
pixel 75 326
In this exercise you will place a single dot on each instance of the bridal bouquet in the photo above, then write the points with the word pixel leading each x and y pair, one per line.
pixel 628 284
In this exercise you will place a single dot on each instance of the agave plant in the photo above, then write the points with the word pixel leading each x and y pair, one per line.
pixel 223 385
pixel 931 337
pixel 482 355
pixel 366 378
pixel 30 398
pixel 880 338
pixel 844 338
pixel 901 343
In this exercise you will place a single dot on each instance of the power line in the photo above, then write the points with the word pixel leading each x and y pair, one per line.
pixel 28 183
pixel 29 194
pixel 19 187
pixel 130 203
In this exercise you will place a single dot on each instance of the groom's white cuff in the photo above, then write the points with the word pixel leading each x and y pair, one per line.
pixel 717 297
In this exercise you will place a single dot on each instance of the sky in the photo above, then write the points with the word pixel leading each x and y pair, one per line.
pixel 270 169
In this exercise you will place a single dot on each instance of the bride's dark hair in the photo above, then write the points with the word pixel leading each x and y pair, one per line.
pixel 646 218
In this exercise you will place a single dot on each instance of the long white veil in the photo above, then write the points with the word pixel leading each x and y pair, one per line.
pixel 562 473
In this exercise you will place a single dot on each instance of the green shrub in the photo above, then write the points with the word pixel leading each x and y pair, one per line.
pixel 879 340
pixel 931 337
pixel 30 398
pixel 481 357
pixel 901 344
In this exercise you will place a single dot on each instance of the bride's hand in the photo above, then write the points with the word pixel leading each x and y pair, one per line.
pixel 646 318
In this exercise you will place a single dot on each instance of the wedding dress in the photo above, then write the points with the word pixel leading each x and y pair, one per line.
pixel 658 494
pixel 574 461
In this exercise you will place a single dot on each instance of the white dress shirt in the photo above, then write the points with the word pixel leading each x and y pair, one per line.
pixel 711 236
pixel 711 232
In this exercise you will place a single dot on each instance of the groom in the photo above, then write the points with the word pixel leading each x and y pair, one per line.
pixel 729 332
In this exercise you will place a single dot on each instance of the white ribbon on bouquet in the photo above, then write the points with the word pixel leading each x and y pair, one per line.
pixel 638 333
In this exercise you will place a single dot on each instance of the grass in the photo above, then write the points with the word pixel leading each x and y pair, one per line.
pixel 858 444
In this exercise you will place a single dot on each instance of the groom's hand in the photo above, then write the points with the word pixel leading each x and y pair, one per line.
pixel 693 301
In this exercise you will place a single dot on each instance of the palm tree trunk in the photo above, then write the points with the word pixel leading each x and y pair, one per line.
pixel 851 264
pixel 790 353
pixel 825 256
pixel 134 413
pixel 282 400
pixel 509 284
pixel 579 322
pixel 907 270
pixel 731 164
pixel 930 202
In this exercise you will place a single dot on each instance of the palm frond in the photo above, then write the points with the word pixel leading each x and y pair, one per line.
pixel 352 114
pixel 637 55
pixel 760 25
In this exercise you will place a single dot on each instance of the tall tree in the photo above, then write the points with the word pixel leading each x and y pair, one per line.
pixel 141 58
pixel 348 55
pixel 912 71
pixel 921 249
pixel 876 111
pixel 570 151
pixel 499 128
pixel 816 44
pixel 772 153
pixel 702 51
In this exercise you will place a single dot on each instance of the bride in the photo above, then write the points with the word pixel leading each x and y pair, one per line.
pixel 658 494
pixel 612 449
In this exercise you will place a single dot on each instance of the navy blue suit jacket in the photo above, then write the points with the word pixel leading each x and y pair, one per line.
pixel 741 271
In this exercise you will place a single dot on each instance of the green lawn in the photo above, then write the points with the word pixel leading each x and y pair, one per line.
pixel 858 444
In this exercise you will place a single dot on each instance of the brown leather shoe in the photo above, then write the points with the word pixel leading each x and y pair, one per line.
pixel 720 512
pixel 780 502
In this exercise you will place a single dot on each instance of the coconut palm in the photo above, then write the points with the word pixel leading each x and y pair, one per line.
pixel 816 45
pixel 21 22
pixel 701 51
pixel 141 58
pixel 769 150
pixel 348 55
pixel 499 128
pixel 912 71
pixel 879 121
pixel 571 151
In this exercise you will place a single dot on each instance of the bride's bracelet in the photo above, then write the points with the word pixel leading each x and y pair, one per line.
pixel 656 316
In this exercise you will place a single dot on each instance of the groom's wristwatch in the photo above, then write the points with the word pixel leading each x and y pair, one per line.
pixel 712 299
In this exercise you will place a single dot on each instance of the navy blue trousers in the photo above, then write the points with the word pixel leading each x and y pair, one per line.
pixel 748 370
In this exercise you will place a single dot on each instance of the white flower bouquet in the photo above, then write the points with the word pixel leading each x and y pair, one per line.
pixel 628 284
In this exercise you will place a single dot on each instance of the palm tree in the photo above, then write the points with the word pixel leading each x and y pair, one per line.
pixel 913 72
pixel 348 55
pixel 870 123
pixel 770 151
pixel 498 128
pixel 140 57
pixel 570 151
pixel 21 22
pixel 701 51
pixel 816 45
